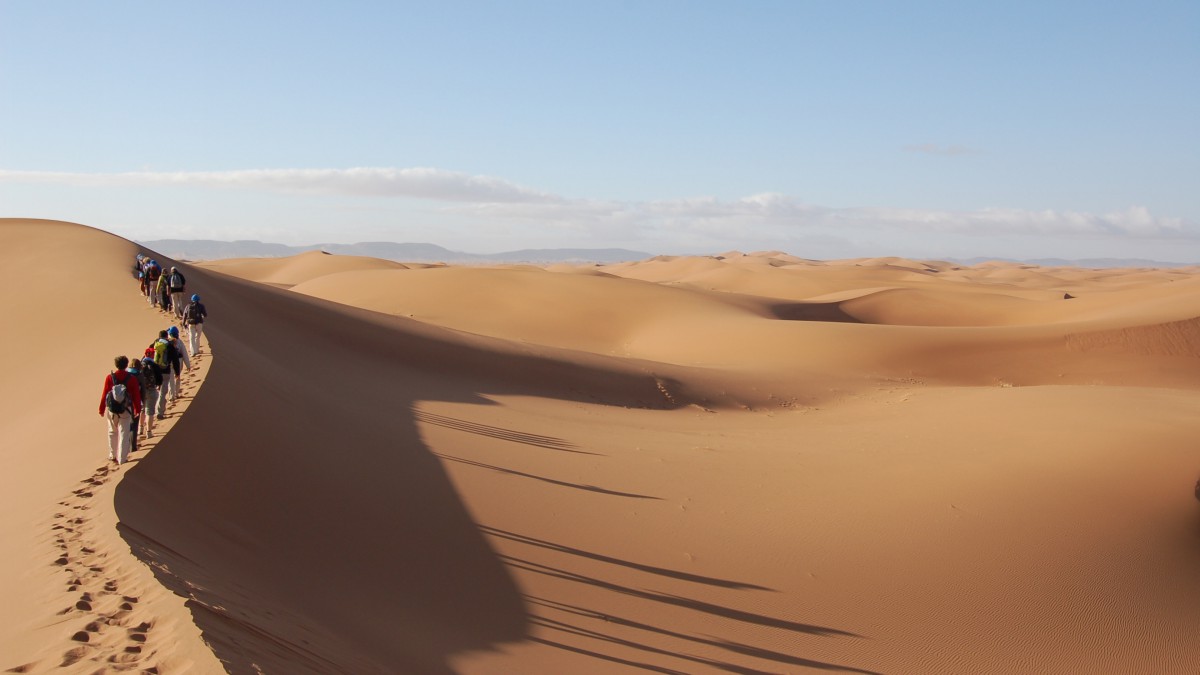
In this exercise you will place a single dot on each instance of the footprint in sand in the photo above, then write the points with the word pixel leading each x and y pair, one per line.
pixel 79 558
pixel 70 539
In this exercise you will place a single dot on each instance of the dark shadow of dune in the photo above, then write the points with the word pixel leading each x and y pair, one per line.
pixel 811 311
pixel 295 506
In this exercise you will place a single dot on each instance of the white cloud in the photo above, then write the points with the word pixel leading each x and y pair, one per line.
pixel 764 216
pixel 420 183
pixel 782 214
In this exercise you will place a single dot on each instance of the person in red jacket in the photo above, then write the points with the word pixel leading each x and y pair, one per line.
pixel 120 403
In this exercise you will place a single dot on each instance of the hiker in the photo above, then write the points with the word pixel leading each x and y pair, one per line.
pixel 163 291
pixel 176 353
pixel 120 403
pixel 162 358
pixel 150 396
pixel 153 273
pixel 193 318
pixel 176 282
pixel 135 369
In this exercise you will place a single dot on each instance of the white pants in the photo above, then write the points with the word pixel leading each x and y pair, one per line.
pixel 177 303
pixel 194 332
pixel 120 436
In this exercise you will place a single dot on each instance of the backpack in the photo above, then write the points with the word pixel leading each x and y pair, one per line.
pixel 192 313
pixel 117 401
pixel 160 353
pixel 176 281
pixel 153 374
pixel 153 272
pixel 144 378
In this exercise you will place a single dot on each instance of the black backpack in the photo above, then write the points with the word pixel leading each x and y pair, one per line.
pixel 118 400
pixel 152 372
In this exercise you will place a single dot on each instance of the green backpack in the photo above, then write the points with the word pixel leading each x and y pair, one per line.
pixel 160 353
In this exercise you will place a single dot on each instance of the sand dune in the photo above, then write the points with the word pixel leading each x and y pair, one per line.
pixel 71 306
pixel 287 272
pixel 744 463
pixel 1031 337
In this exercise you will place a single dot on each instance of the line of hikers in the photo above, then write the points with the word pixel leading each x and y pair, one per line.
pixel 165 290
pixel 141 388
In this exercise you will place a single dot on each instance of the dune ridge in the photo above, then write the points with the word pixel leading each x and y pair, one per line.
pixel 743 463
pixel 75 599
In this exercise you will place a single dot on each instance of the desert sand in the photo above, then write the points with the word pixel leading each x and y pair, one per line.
pixel 750 463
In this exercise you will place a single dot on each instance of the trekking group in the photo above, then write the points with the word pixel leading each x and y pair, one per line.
pixel 143 386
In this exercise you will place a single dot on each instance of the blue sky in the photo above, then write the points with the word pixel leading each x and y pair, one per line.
pixel 833 129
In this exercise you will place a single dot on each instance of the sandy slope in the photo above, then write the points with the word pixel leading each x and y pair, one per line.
pixel 71 306
pixel 750 464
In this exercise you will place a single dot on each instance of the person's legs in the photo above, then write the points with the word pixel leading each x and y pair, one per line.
pixel 163 393
pixel 173 384
pixel 194 332
pixel 124 421
pixel 149 407
pixel 114 439
pixel 177 303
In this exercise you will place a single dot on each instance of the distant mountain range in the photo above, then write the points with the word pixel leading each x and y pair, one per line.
pixel 207 249
pixel 1103 263
pixel 204 249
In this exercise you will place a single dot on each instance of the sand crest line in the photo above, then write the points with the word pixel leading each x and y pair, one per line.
pixel 106 624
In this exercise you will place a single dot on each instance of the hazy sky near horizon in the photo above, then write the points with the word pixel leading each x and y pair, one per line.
pixel 826 129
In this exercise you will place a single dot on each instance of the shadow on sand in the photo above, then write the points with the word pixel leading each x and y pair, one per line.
pixel 298 511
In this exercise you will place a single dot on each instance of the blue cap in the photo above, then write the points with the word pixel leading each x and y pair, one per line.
pixel 173 331
pixel 195 298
